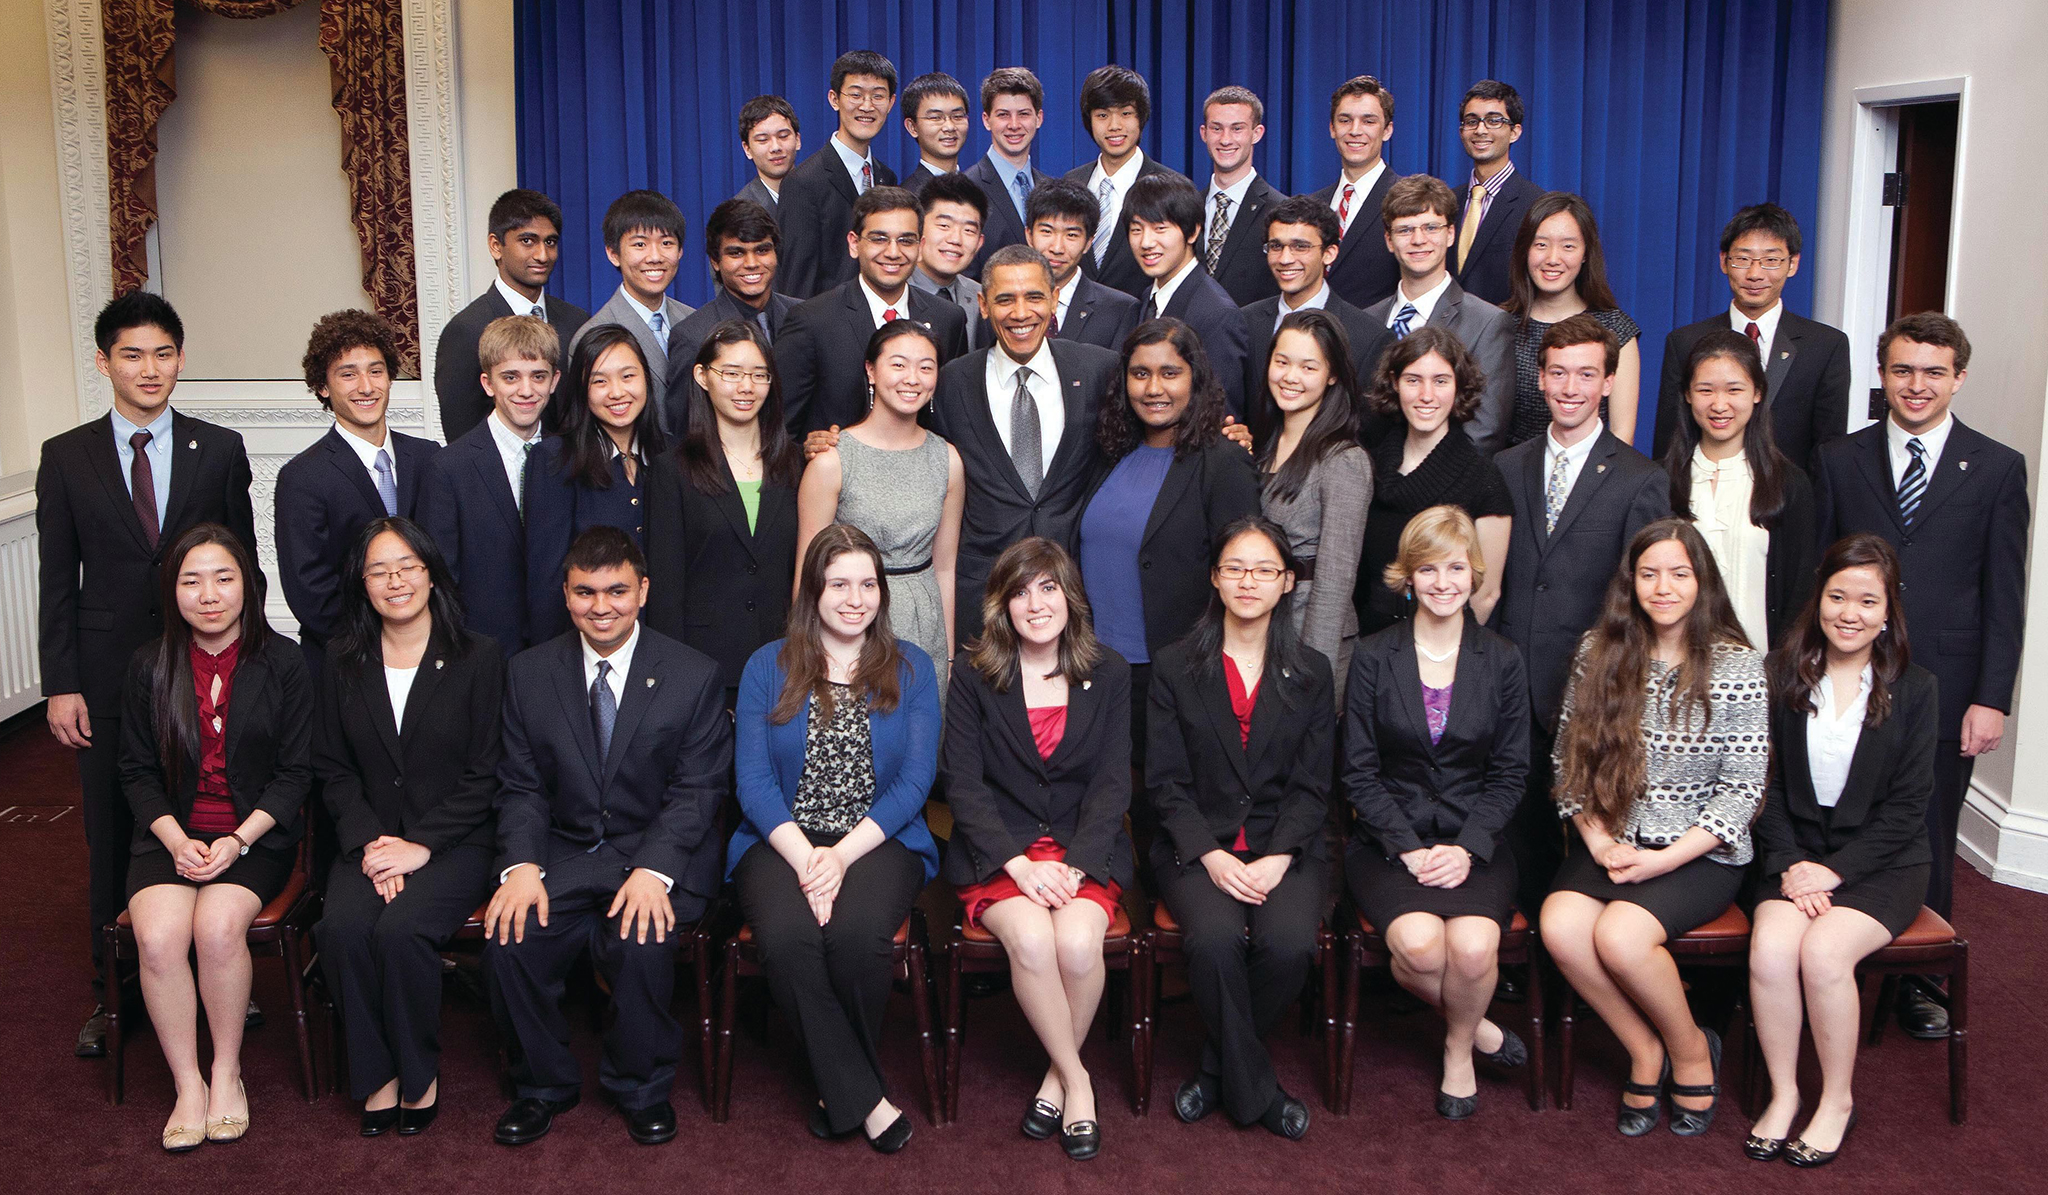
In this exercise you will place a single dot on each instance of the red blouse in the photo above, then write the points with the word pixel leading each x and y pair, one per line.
pixel 1048 727
pixel 213 808
pixel 1242 702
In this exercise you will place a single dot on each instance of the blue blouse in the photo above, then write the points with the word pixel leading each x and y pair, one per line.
pixel 1112 531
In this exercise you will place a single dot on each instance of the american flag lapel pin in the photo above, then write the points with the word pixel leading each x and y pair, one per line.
pixel 439 664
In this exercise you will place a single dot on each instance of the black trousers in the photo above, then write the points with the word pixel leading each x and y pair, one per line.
pixel 1536 834
pixel 109 832
pixel 1246 964
pixel 526 981
pixel 383 963
pixel 833 980
pixel 1952 771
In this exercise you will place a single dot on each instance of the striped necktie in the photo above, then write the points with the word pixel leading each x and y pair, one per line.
pixel 1913 483
pixel 1402 319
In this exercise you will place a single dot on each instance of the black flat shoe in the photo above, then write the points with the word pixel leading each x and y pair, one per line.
pixel 1805 1156
pixel 253 1019
pixel 1921 1013
pixel 380 1122
pixel 1765 1149
pixel 820 1124
pixel 1456 1107
pixel 1082 1139
pixel 653 1125
pixel 893 1138
pixel 1513 1051
pixel 1686 1122
pixel 1197 1097
pixel 1286 1117
pixel 529 1119
pixel 1635 1122
pixel 414 1121
pixel 92 1036
pixel 1041 1120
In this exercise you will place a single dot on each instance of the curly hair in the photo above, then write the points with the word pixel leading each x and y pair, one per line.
pixel 337 333
pixel 1386 383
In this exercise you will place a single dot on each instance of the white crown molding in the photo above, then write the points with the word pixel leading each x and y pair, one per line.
pixel 78 85
pixel 433 121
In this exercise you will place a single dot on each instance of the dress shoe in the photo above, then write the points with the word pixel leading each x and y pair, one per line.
pixel 529 1119
pixel 1286 1117
pixel 653 1125
pixel 1765 1149
pixel 253 1019
pixel 414 1121
pixel 1041 1120
pixel 1921 1012
pixel 1513 1051
pixel 380 1122
pixel 1635 1122
pixel 1687 1122
pixel 1197 1097
pixel 1800 1154
pixel 893 1138
pixel 226 1130
pixel 179 1139
pixel 92 1038
pixel 1456 1107
pixel 1082 1139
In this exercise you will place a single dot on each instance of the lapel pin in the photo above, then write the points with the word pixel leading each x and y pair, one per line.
pixel 439 664
pixel 1599 468
pixel 1962 464
pixel 650 682
pixel 191 443
pixel 1087 683
pixel 1784 353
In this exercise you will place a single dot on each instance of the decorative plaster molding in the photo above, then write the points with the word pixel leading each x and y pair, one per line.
pixel 433 120
pixel 78 85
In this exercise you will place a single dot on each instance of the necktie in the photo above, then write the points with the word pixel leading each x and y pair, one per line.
pixel 1026 443
pixel 142 487
pixel 888 314
pixel 761 319
pixel 1106 218
pixel 604 709
pixel 1151 310
pixel 659 323
pixel 519 490
pixel 1402 319
pixel 1219 230
pixel 1344 206
pixel 1755 334
pixel 1554 494
pixel 387 482
pixel 538 312
pixel 1913 483
pixel 1469 226
pixel 946 293
pixel 1022 185
pixel 867 176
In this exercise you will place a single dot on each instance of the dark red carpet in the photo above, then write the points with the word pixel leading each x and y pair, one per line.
pixel 62 1135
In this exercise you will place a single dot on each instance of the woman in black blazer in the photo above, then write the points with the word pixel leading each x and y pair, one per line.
pixel 721 509
pixel 407 755
pixel 1842 838
pixel 1436 740
pixel 216 729
pixel 1241 732
pixel 1037 760
pixel 1751 503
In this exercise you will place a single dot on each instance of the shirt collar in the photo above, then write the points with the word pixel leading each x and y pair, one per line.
pixel 159 429
pixel 1236 191
pixel 1499 180
pixel 365 450
pixel 1318 301
pixel 1931 440
pixel 1703 464
pixel 505 438
pixel 1766 324
pixel 621 659
pixel 645 312
pixel 933 167
pixel 1577 452
pixel 520 304
pixel 1122 179
pixel 1426 302
pixel 1163 293
pixel 1065 295
pixel 1824 697
pixel 1007 172
pixel 853 160
pixel 1005 366
pixel 877 305
pixel 1365 183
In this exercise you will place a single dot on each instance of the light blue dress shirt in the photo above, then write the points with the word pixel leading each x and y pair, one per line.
pixel 159 451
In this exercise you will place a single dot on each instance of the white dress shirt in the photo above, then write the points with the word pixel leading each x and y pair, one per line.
pixel 1360 190
pixel 1163 292
pixel 367 452
pixel 158 450
pixel 1932 442
pixel 1574 457
pixel 1063 297
pixel 1318 301
pixel 512 454
pixel 1720 511
pixel 1236 192
pixel 1425 303
pixel 1119 187
pixel 1766 327
pixel 877 305
pixel 1044 385
pixel 853 162
pixel 1831 737
pixel 936 169
pixel 398 683
pixel 520 304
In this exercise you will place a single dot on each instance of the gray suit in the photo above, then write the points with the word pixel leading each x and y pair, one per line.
pixel 1489 335
pixel 966 292
pixel 758 191
pixel 619 310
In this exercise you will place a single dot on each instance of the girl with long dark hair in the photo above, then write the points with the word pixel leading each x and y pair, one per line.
pixel 1556 271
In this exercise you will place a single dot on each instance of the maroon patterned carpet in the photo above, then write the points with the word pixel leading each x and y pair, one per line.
pixel 64 1136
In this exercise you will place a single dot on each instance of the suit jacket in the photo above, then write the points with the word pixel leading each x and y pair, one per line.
pixel 1808 378
pixel 1553 584
pixel 685 339
pixel 100 595
pixel 558 509
pixel 428 775
pixel 1409 793
pixel 770 759
pixel 1365 270
pixel 1005 796
pixel 717 586
pixel 324 497
pixel 966 293
pixel 1485 270
pixel 758 191
pixel 1489 333
pixel 1097 315
pixel 654 796
pixel 914 181
pixel 1242 268
pixel 1880 822
pixel 1119 267
pixel 1202 303
pixel 815 215
pixel 999 510
pixel 1962 568
pixel 269 746
pixel 822 353
pixel 1205 782
pixel 1004 225
pixel 466 504
pixel 617 310
pixel 457 369
pixel 1259 318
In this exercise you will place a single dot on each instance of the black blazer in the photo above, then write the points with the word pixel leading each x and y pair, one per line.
pixel 1881 820
pixel 1205 783
pixel 1808 377
pixel 269 746
pixel 1202 303
pixel 98 584
pixel 1098 315
pixel 921 174
pixel 1789 560
pixel 1365 271
pixel 1962 569
pixel 431 781
pixel 1003 226
pixel 815 214
pixel 822 352
pixel 1203 493
pixel 1005 797
pixel 457 369
pixel 717 586
pixel 1119 269
pixel 1409 793
pixel 689 335
pixel 1554 583
pixel 1242 268
pixel 999 510
pixel 324 497
pixel 1486 269
pixel 655 796
pixel 558 509
pixel 1259 318
pixel 466 504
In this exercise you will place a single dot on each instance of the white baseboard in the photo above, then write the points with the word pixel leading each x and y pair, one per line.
pixel 2009 845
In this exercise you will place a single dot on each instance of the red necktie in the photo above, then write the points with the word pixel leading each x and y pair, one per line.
pixel 1344 207
pixel 1755 334
pixel 142 486
pixel 888 314
pixel 867 178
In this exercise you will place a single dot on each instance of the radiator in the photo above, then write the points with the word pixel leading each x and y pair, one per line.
pixel 20 672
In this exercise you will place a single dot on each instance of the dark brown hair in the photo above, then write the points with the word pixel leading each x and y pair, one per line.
pixel 1118 428
pixel 174 706
pixel 1363 85
pixel 1767 466
pixel 701 453
pixel 1576 330
pixel 1926 327
pixel 1386 383
pixel 335 334
pixel 995 654
pixel 1801 662
pixel 1418 195
pixel 1591 284
pixel 805 675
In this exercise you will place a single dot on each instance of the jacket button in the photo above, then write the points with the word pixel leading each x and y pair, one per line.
pixel 1146 564
pixel 752 569
pixel 398 782
pixel 1542 588
pixel 1043 827
pixel 636 501
pixel 750 603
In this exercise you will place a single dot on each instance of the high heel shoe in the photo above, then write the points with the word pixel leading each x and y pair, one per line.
pixel 223 1130
pixel 1635 1122
pixel 380 1121
pixel 1805 1156
pixel 1766 1149
pixel 1690 1122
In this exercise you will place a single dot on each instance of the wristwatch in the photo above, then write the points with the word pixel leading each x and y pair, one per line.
pixel 238 838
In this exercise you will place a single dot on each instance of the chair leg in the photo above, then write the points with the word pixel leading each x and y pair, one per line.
pixel 707 1038
pixel 951 1089
pixel 110 962
pixel 1887 999
pixel 289 943
pixel 1346 1058
pixel 1565 1069
pixel 1958 1034
pixel 728 1011
pixel 921 1007
pixel 1326 951
pixel 1118 995
pixel 1139 985
pixel 1533 1001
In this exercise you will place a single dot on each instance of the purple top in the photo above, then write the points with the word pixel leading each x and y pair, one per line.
pixel 1436 705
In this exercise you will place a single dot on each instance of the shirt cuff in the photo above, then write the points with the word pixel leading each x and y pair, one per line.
pixel 503 875
pixel 667 885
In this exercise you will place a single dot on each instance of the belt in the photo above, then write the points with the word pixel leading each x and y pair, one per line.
pixel 908 569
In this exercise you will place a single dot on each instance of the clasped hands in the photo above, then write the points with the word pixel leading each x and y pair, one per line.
pixel 1047 883
pixel 201 862
pixel 1445 865
pixel 1628 864
pixel 822 873
pixel 1247 882
pixel 388 859
pixel 1807 884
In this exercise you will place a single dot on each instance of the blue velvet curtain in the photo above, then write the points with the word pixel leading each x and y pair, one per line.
pixel 1667 115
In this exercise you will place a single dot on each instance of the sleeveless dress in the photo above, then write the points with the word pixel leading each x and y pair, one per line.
pixel 897 496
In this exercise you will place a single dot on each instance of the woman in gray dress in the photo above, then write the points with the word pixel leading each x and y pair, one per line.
pixel 900 484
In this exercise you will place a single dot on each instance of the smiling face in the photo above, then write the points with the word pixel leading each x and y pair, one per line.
pixel 886 247
pixel 1061 241
pixel 1444 585
pixel 520 388
pixel 905 374
pixel 1299 259
pixel 1230 132
pixel 863 102
pixel 939 126
pixel 1420 244
pixel 1920 381
pixel 1018 302
pixel 1250 577
pixel 1360 128
pixel 647 259
pixel 1853 609
pixel 1575 379
pixel 1666 585
pixel 772 145
pixel 1557 254
pixel 1161 249
pixel 736 381
pixel 1038 611
pixel 1159 385
pixel 395 580
pixel 1722 399
pixel 1487 143
pixel 1297 373
pixel 1428 389
pixel 618 390
pixel 851 597
pixel 210 592
pixel 1758 265
pixel 143 367
pixel 952 236
pixel 526 255
pixel 1115 132
pixel 746 270
pixel 1012 121
pixel 604 604
pixel 359 390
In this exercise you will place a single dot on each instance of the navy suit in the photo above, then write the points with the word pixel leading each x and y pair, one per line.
pixel 558 509
pixel 1004 225
pixel 466 504
pixel 687 338
pixel 1202 303
pixel 1098 315
pixel 1365 270
pixel 822 354
pixel 1485 270
pixel 1119 267
pixel 815 215
pixel 457 371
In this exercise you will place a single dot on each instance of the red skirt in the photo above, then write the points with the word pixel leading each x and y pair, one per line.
pixel 976 898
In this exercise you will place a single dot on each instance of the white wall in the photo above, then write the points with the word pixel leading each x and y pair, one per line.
pixel 490 151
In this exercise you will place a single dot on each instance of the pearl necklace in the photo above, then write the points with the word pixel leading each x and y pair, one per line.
pixel 1440 659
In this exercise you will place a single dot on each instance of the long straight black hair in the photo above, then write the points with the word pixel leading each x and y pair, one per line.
pixel 701 452
pixel 1284 649
pixel 584 453
pixel 361 636
pixel 1767 466
pixel 173 704
pixel 1335 422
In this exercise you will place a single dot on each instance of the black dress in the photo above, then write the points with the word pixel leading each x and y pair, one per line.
pixel 1455 473
pixel 1531 414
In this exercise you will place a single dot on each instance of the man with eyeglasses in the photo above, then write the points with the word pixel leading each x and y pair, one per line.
pixel 822 352
pixel 1490 210
pixel 1300 238
pixel 818 196
pixel 1361 124
pixel 1806 363
pixel 935 116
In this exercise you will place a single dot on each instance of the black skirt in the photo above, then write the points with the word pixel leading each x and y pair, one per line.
pixel 1384 890
pixel 262 871
pixel 1680 900
pixel 1891 897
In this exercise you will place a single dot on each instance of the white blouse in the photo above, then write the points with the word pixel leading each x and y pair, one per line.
pixel 1831 738
pixel 1720 511
pixel 398 683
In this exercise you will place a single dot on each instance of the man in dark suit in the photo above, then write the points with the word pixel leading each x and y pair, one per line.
pixel 770 138
pixel 1298 242
pixel 745 246
pixel 525 241
pixel 822 354
pixel 618 753
pixel 643 237
pixel 1234 223
pixel 360 470
pixel 112 496
pixel 935 116
pixel 818 195
pixel 1115 104
pixel 1579 495
pixel 1953 503
pixel 955 212
pixel 1806 363
pixel 472 492
pixel 1062 216
pixel 1490 208
pixel 1012 110
pixel 1021 413
pixel 1361 123
pixel 1165 225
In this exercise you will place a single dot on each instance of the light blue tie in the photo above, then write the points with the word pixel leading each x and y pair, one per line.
pixel 1405 317
pixel 1103 194
pixel 387 482
pixel 1022 185
pixel 658 323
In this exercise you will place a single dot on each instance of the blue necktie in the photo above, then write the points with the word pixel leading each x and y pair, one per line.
pixel 1022 185
pixel 1913 483
pixel 1403 319
pixel 387 482
pixel 658 323
pixel 604 710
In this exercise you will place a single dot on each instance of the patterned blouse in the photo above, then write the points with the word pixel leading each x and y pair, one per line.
pixel 838 781
pixel 1711 777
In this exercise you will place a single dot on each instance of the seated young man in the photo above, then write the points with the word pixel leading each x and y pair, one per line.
pixel 770 138
pixel 1163 224
pixel 643 236
pixel 1062 217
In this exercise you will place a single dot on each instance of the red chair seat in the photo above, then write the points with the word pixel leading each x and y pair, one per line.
pixel 1928 929
pixel 1731 924
pixel 1119 927
pixel 1163 919
pixel 746 935
pixel 1520 924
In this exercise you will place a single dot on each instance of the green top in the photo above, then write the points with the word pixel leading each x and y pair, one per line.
pixel 750 498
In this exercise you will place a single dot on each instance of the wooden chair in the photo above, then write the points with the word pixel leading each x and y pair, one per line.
pixel 1518 947
pixel 974 950
pixel 908 954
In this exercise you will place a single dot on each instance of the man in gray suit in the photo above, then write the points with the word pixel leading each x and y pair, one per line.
pixel 953 212
pixel 1420 216
pixel 770 139
pixel 643 236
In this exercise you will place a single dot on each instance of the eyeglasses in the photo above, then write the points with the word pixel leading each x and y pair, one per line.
pixel 1771 264
pixel 408 573
pixel 733 375
pixel 1492 120
pixel 1298 248
pixel 1409 232
pixel 880 240
pixel 1264 574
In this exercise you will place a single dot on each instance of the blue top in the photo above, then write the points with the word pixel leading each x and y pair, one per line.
pixel 558 509
pixel 768 760
pixel 159 450
pixel 1112 531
